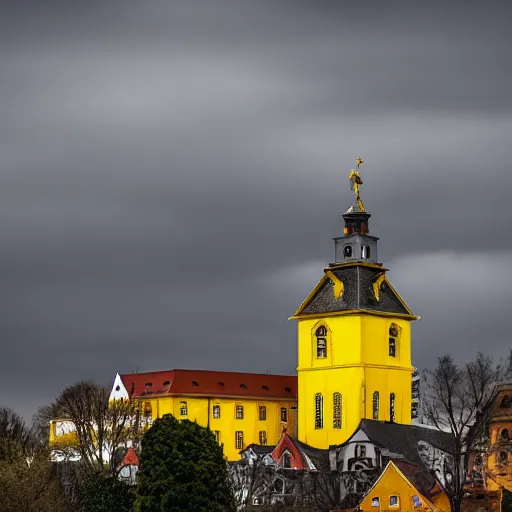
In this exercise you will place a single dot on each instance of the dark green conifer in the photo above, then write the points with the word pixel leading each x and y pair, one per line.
pixel 182 468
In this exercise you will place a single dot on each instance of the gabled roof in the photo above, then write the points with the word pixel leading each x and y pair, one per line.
pixel 365 287
pixel 393 466
pixel 423 480
pixel 404 439
pixel 130 459
pixel 303 456
pixel 210 383
pixel 258 449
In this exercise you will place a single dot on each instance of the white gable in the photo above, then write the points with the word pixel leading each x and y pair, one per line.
pixel 359 436
pixel 118 389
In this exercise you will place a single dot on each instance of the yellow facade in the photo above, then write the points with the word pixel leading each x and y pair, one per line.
pixel 356 366
pixel 227 424
pixel 393 491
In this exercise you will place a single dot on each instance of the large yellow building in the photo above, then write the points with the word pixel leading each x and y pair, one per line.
pixel 239 408
pixel 354 343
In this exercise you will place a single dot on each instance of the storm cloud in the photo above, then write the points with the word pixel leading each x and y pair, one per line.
pixel 172 174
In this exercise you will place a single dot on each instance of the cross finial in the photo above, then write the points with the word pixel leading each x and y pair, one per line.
pixel 359 162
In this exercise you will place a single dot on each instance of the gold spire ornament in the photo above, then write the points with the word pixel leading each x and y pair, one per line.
pixel 355 181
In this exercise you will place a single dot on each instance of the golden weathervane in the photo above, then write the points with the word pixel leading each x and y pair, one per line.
pixel 355 181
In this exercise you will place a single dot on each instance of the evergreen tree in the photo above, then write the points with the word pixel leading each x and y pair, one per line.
pixel 182 467
pixel 105 493
pixel 506 501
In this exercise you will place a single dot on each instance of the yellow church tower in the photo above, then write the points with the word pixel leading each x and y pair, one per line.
pixel 354 340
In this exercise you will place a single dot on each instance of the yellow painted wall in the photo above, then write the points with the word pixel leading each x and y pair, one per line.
pixel 357 364
pixel 69 438
pixel 199 410
pixel 394 483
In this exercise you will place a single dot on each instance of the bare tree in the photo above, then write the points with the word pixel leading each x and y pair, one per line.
pixel 457 400
pixel 15 436
pixel 102 426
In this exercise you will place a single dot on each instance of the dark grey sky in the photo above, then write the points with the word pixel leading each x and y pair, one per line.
pixel 172 174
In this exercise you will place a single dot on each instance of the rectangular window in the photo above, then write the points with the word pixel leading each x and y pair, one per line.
pixel 216 433
pixel 392 347
pixel 239 412
pixel 239 440
pixel 147 409
pixel 392 407
pixel 216 411
pixel 336 410
pixel 263 437
pixel 360 451
pixel 183 408
pixel 284 414
pixel 375 502
pixel 416 502
pixel 262 413
pixel 394 501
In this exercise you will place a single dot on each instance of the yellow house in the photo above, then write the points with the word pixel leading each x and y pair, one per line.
pixel 239 408
pixel 490 466
pixel 397 489
pixel 354 343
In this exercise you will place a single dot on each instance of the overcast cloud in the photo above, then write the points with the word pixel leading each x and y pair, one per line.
pixel 172 174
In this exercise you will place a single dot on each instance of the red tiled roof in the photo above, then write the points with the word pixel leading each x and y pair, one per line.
pixel 130 459
pixel 212 383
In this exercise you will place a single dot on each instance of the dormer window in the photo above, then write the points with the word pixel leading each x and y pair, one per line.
pixel 347 251
pixel 365 252
pixel 321 342
pixel 195 383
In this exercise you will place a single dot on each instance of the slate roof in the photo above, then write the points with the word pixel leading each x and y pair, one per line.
pixel 259 449
pixel 403 439
pixel 211 383
pixel 358 293
pixel 319 457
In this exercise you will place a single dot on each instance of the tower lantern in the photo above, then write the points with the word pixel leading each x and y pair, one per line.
pixel 356 244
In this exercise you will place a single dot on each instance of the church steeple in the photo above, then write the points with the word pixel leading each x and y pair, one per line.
pixel 354 345
pixel 356 244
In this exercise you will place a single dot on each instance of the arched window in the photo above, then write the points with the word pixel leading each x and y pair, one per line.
pixel 216 411
pixel 347 251
pixel 319 411
pixel 375 404
pixel 392 407
pixel 183 408
pixel 321 342
pixel 394 334
pixel 336 410
pixel 504 434
pixel 286 460
pixel 506 402
pixel 502 457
